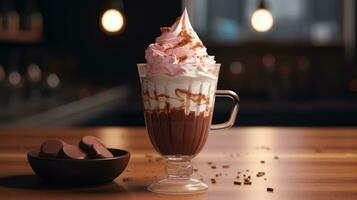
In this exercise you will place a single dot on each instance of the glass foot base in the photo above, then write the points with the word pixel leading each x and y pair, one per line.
pixel 178 186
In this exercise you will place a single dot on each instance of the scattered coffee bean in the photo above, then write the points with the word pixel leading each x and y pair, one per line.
pixel 237 183
pixel 225 166
pixel 270 189
pixel 127 179
pixel 260 174
pixel 247 183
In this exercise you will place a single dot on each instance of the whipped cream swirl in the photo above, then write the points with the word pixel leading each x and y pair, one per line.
pixel 179 51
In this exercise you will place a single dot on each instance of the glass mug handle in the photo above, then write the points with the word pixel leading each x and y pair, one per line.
pixel 232 118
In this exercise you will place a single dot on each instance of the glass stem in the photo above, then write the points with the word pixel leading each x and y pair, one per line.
pixel 179 169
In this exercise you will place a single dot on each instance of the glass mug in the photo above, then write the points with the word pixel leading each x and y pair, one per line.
pixel 178 114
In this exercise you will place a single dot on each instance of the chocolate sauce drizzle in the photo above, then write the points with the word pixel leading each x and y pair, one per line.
pixel 181 95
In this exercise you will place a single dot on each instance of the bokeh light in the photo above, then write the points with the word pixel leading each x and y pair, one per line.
pixel 262 20
pixel 112 21
pixel 236 67
pixel 34 72
pixel 15 78
pixel 53 81
pixel 2 73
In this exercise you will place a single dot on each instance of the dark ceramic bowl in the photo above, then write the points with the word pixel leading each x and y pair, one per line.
pixel 88 171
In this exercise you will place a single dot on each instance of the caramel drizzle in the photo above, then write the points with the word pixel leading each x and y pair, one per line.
pixel 197 45
pixel 186 39
pixel 181 94
pixel 182 58
pixel 195 97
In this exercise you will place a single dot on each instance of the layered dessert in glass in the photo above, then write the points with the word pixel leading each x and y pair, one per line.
pixel 178 90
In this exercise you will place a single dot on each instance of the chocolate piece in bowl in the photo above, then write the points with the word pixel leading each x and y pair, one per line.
pixel 88 141
pixel 99 151
pixel 71 152
pixel 51 148
pixel 94 147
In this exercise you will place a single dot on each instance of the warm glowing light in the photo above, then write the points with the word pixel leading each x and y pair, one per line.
pixel 2 73
pixel 34 72
pixel 53 81
pixel 262 20
pixel 15 78
pixel 236 67
pixel 112 21
pixel 268 61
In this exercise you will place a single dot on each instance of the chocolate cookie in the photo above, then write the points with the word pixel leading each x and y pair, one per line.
pixel 94 147
pixel 71 152
pixel 51 148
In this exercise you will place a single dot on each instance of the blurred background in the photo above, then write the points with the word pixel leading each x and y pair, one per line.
pixel 73 63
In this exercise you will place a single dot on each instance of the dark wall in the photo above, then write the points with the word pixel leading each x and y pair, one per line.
pixel 73 27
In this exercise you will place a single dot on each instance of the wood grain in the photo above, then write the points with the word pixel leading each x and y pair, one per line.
pixel 312 163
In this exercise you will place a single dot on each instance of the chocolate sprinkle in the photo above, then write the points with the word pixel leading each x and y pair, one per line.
pixel 213 180
pixel 270 189
pixel 225 166
pixel 262 161
pixel 213 167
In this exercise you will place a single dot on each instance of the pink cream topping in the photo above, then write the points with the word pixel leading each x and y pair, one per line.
pixel 179 51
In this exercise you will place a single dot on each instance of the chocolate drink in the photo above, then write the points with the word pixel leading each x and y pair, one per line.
pixel 177 133
pixel 178 114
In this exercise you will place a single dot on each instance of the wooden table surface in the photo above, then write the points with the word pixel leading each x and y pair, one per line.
pixel 311 163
